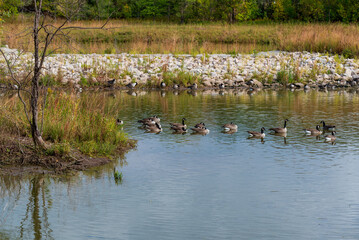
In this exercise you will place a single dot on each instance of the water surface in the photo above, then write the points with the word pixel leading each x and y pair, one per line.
pixel 218 186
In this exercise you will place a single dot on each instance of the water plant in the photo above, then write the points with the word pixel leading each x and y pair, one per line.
pixel 118 176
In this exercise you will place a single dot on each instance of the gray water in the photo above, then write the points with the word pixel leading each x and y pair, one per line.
pixel 218 186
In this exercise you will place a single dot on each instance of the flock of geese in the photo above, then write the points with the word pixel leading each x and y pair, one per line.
pixel 152 124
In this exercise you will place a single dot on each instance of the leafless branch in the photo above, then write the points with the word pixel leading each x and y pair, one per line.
pixel 19 85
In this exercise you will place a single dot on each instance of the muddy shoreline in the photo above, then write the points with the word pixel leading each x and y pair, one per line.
pixel 18 157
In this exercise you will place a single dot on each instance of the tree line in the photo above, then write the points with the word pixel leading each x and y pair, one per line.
pixel 191 11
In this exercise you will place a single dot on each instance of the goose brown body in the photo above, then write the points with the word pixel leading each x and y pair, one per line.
pixel 230 126
pixel 202 130
pixel 315 131
pixel 280 130
pixel 179 126
pixel 330 137
pixel 255 134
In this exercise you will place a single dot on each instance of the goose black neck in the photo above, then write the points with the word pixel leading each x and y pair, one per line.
pixel 182 121
pixel 285 123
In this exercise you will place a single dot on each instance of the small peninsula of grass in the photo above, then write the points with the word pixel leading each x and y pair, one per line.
pixel 81 133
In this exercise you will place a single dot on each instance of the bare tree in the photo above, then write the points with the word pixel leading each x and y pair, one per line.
pixel 43 32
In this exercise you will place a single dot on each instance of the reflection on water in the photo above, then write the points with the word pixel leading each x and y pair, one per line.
pixel 185 186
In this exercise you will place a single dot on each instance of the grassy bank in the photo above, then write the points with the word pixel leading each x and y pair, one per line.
pixel 146 37
pixel 75 128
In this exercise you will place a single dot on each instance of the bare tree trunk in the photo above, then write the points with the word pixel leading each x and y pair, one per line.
pixel 36 135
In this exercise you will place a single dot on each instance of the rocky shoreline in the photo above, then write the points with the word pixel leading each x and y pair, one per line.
pixel 262 70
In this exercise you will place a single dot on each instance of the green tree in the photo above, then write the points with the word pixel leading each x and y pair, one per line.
pixel 10 7
pixel 283 10
pixel 311 10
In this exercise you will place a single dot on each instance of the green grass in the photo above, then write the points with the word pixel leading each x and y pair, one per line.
pixel 181 77
pixel 145 37
pixel 69 122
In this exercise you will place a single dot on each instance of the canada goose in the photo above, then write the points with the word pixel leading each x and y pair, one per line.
pixel 175 86
pixel 119 122
pixel 150 120
pixel 221 86
pixel 131 85
pixel 194 86
pixel 230 126
pixel 110 83
pixel 201 124
pixel 327 127
pixel 201 130
pixel 253 134
pixel 229 132
pixel 306 87
pixel 181 130
pixel 330 137
pixel 178 126
pixel 280 130
pixel 163 85
pixel 154 128
pixel 315 131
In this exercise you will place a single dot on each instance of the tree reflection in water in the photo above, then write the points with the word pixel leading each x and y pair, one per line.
pixel 35 220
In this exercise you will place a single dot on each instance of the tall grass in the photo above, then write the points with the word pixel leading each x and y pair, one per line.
pixel 135 37
pixel 70 121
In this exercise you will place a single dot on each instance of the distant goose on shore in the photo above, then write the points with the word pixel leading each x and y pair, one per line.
pixel 327 127
pixel 179 126
pixel 110 83
pixel 253 134
pixel 119 122
pixel 131 85
pixel 194 86
pixel 280 130
pixel 221 86
pixel 200 130
pixel 154 128
pixel 330 137
pixel 315 131
pixel 175 86
pixel 163 85
pixel 230 127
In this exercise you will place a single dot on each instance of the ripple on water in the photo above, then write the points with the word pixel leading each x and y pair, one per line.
pixel 184 186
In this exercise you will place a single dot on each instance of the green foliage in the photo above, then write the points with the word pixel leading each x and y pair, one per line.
pixel 181 77
pixel 311 10
pixel 283 10
pixel 48 81
pixel 288 76
pixel 118 176
pixel 58 149
pixel 77 122
pixel 184 11
pixel 10 7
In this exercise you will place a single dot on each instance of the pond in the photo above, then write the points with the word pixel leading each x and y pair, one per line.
pixel 216 186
